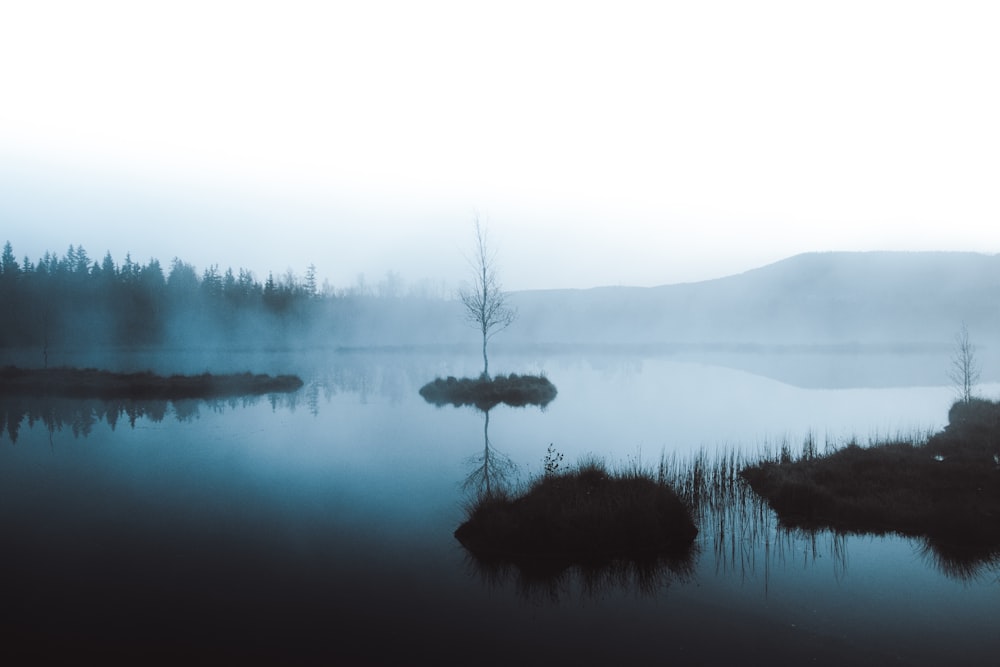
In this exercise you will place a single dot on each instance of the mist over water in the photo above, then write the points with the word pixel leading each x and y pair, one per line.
pixel 310 524
pixel 725 235
pixel 336 506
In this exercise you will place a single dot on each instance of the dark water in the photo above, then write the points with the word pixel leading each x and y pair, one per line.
pixel 318 527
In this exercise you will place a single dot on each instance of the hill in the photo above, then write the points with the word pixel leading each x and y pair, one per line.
pixel 831 298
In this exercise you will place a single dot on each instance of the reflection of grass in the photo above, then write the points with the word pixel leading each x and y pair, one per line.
pixel 552 579
pixel 92 383
pixel 946 490
pixel 587 516
pixel 485 393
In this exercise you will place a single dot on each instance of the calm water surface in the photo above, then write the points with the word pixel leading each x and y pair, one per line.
pixel 318 526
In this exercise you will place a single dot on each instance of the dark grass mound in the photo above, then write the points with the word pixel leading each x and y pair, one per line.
pixel 485 393
pixel 92 383
pixel 947 490
pixel 585 517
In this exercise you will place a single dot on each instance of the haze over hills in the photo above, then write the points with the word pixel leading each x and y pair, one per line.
pixel 834 298
pixel 830 298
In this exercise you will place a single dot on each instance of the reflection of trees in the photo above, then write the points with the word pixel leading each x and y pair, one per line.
pixel 493 471
pixel 363 374
pixel 81 415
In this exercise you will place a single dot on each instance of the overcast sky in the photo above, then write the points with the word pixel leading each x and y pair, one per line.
pixel 605 143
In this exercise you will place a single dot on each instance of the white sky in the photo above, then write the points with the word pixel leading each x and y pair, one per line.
pixel 606 143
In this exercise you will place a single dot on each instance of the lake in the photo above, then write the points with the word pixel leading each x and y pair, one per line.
pixel 318 526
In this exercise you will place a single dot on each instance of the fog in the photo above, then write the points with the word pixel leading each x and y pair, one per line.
pixel 644 146
pixel 73 308
pixel 719 229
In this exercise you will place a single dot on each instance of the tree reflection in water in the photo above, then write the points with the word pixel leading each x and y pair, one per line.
pixel 81 415
pixel 492 470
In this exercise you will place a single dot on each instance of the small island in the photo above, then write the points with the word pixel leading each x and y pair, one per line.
pixel 486 308
pixel 94 383
pixel 946 490
pixel 485 393
pixel 586 516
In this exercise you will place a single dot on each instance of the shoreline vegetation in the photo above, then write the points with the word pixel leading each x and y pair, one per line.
pixel 945 490
pixel 93 383
pixel 486 393
pixel 942 489
pixel 588 517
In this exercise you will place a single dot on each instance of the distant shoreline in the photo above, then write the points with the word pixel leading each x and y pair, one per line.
pixel 94 383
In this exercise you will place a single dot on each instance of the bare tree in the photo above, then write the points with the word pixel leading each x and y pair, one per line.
pixel 485 303
pixel 964 371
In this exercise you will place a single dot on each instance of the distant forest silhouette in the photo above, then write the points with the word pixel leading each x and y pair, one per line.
pixel 75 301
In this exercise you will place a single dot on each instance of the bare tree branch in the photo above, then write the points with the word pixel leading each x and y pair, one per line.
pixel 964 371
pixel 485 303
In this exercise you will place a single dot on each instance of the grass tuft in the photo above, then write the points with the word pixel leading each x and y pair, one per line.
pixel 586 516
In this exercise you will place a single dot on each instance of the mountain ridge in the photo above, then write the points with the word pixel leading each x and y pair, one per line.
pixel 810 298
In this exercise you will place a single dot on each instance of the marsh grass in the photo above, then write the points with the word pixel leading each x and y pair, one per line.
pixel 944 488
pixel 752 511
pixel 734 523
pixel 485 392
pixel 703 480
pixel 587 516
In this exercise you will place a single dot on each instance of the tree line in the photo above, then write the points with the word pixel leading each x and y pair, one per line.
pixel 74 301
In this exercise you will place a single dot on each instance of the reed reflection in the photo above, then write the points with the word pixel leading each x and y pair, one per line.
pixel 939 490
pixel 744 536
pixel 966 562
pixel 749 538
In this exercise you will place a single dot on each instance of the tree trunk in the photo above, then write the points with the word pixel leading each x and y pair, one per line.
pixel 486 362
